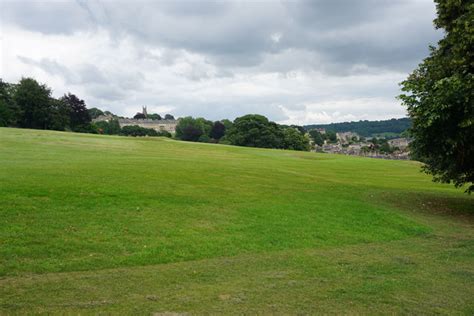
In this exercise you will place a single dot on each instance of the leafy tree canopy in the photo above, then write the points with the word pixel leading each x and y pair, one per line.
pixel 317 137
pixel 33 101
pixel 294 140
pixel 439 96
pixel 367 128
pixel 154 116
pixel 255 130
pixel 79 115
pixel 8 108
pixel 217 130
pixel 139 116
pixel 191 129
pixel 95 113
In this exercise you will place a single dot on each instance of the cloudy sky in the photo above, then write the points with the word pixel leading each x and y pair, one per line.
pixel 301 62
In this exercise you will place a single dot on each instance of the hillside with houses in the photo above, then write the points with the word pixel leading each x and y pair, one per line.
pixel 350 143
pixel 386 139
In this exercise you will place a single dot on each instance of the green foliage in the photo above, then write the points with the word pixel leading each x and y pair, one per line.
pixel 439 96
pixel 386 148
pixel 331 136
pixel 155 117
pixel 139 116
pixel 8 109
pixel 204 139
pixel 227 123
pixel 29 104
pixel 80 118
pixel 95 113
pixel 318 139
pixel 165 134
pixel 380 145
pixel 191 129
pixel 300 129
pixel 367 128
pixel 294 140
pixel 188 129
pixel 225 141
pixel 33 101
pixel 217 131
pixel 60 115
pixel 111 127
pixel 255 130
pixel 135 130
pixel 169 117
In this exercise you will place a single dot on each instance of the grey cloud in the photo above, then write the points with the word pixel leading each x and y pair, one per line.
pixel 60 17
pixel 96 83
pixel 378 33
pixel 106 92
pixel 83 74
pixel 50 66
pixel 225 59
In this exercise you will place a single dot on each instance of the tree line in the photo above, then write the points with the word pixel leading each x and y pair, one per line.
pixel 29 104
pixel 250 130
pixel 439 96
pixel 367 128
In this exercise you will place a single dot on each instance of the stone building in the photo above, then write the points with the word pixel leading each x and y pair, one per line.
pixel 346 137
pixel 157 125
pixel 401 143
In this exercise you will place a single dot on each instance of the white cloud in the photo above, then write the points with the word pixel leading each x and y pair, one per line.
pixel 221 60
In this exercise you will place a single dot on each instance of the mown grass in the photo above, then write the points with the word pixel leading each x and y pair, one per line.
pixel 153 225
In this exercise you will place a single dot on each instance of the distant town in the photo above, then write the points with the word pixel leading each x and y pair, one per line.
pixel 386 144
pixel 351 143
pixel 29 104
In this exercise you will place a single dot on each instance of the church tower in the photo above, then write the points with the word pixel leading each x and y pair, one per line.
pixel 144 112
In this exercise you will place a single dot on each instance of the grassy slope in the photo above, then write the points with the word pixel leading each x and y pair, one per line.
pixel 150 225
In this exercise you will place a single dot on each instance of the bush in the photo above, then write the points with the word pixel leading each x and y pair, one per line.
pixel 135 130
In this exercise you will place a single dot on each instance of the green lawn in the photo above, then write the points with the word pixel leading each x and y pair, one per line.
pixel 150 225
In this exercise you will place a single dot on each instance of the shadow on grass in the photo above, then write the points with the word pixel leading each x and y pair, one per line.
pixel 456 207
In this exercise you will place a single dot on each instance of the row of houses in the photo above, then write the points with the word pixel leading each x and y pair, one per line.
pixel 366 150
pixel 349 143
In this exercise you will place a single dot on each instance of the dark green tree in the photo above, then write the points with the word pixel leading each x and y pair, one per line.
pixel 317 137
pixel 217 131
pixel 169 117
pixel 154 116
pixel 33 101
pixel 294 140
pixel 60 115
pixel 255 130
pixel 300 129
pixel 227 123
pixel 139 116
pixel 80 118
pixel 136 130
pixel 206 125
pixel 331 136
pixel 95 113
pixel 439 96
pixel 111 127
pixel 8 110
pixel 191 129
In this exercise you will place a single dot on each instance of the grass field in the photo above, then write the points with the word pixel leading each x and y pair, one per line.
pixel 123 225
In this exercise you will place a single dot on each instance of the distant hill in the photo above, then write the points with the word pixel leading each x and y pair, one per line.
pixel 391 127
